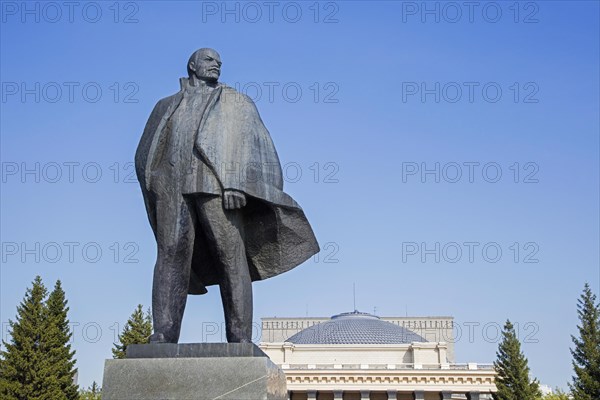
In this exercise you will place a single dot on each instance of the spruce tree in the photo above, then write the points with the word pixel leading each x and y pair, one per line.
pixel 24 367
pixel 586 354
pixel 92 393
pixel 512 379
pixel 3 381
pixel 137 330
pixel 557 395
pixel 58 347
pixel 38 362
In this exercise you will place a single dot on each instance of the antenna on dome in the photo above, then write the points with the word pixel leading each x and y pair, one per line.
pixel 354 294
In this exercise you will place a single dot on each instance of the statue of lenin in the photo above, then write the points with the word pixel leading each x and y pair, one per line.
pixel 213 189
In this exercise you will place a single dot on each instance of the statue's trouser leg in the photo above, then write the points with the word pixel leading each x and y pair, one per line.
pixel 175 241
pixel 224 229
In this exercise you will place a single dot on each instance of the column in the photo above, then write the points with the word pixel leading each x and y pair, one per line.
pixel 473 396
pixel 416 353
pixel 365 394
pixel 392 394
pixel 338 394
pixel 311 394
pixel 419 395
pixel 442 353
pixel 288 348
pixel 445 395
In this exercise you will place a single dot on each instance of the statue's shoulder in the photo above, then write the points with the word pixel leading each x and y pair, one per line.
pixel 160 109
pixel 228 89
pixel 239 98
pixel 164 103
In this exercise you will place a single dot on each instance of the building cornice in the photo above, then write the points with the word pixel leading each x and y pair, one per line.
pixel 457 380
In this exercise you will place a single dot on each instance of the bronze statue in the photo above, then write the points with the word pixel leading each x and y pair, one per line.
pixel 213 188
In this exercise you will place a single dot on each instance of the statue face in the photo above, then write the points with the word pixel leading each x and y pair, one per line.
pixel 207 65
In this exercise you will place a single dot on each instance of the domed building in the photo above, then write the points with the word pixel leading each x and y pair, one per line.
pixel 360 356
pixel 355 328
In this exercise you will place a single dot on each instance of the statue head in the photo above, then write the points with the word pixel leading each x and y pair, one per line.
pixel 204 65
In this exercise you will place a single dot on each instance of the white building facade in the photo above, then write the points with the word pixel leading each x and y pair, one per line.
pixel 358 356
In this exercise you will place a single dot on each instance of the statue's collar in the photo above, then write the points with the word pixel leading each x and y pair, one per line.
pixel 186 86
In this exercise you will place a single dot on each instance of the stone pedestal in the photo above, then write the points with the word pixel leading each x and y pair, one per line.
pixel 224 371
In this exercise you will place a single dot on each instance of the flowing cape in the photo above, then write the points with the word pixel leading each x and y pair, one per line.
pixel 236 146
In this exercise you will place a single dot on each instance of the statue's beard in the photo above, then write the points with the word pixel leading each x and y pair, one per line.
pixel 210 76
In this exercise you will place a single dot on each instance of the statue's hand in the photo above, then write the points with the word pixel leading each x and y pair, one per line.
pixel 232 199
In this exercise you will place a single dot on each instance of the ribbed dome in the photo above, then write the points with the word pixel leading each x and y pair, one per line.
pixel 355 328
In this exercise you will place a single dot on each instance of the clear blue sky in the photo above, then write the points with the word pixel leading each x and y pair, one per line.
pixel 366 125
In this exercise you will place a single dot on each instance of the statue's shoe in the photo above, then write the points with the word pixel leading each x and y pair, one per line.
pixel 157 337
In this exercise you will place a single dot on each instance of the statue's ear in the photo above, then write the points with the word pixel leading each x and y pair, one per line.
pixel 192 66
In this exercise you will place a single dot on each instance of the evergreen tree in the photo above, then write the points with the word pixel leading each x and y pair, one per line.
pixel 3 381
pixel 586 354
pixel 557 395
pixel 37 363
pixel 512 379
pixel 58 348
pixel 24 367
pixel 92 393
pixel 137 330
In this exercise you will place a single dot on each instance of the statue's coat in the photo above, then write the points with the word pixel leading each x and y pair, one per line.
pixel 234 144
